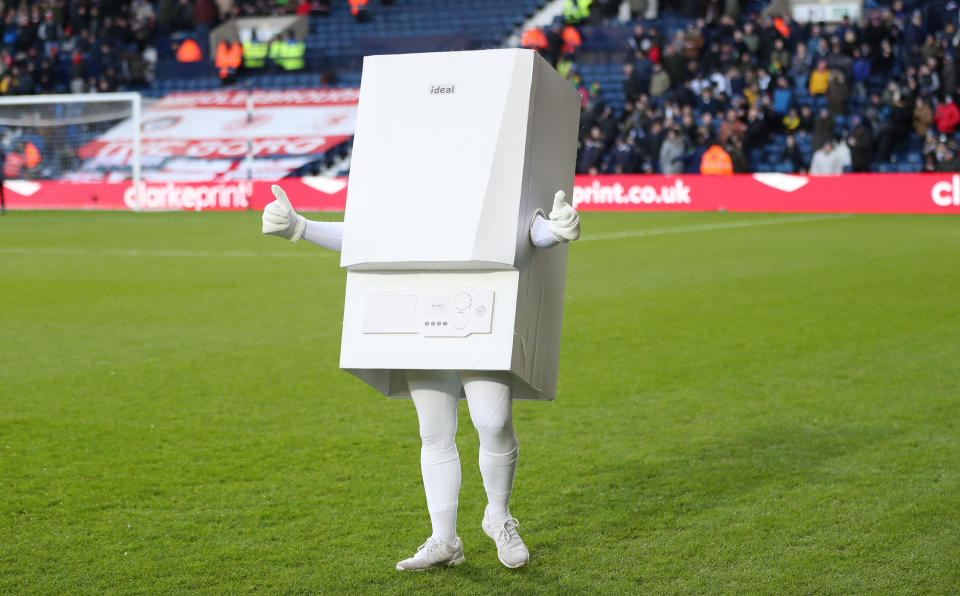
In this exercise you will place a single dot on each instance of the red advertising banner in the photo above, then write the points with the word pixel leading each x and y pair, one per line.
pixel 307 194
pixel 772 193
pixel 780 193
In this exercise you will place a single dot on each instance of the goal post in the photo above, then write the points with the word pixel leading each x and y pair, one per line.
pixel 53 137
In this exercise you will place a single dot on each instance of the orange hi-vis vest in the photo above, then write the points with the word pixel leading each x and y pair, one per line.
pixel 189 51
pixel 534 38
pixel 31 155
pixel 229 58
pixel 355 6
pixel 716 161
pixel 571 39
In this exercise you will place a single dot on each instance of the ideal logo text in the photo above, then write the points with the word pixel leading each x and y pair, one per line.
pixel 447 89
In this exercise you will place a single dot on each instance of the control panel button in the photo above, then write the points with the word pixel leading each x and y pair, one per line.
pixel 459 321
pixel 462 301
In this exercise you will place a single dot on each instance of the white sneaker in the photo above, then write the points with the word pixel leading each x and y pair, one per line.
pixel 434 553
pixel 511 550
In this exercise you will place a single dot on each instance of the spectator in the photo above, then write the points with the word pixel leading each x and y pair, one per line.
pixel 183 16
pixel 757 130
pixel 625 156
pixel 947 116
pixel 820 50
pixel 927 78
pixel 78 72
pixel 891 94
pixel 737 157
pixel 608 125
pixel 914 35
pixel 591 156
pixel 826 161
pixel 948 75
pixel 553 38
pixel 800 67
pixel 205 15
pixel 779 58
pixel 751 40
pixel 838 60
pixel 670 152
pixel 949 162
pixel 644 68
pixel 899 124
pixel 875 33
pixel 793 156
pixel 782 97
pixel 693 42
pixel 142 12
pixel 861 146
pixel 673 62
pixel 822 128
pixel 721 83
pixel 659 82
pixel 752 94
pixel 806 119
pixel 707 102
pixel 732 126
pixel 166 16
pixel 633 86
pixel 861 72
pixel 837 94
pixel 695 151
pixel 922 117
pixel 884 59
pixel 791 122
pixel 819 79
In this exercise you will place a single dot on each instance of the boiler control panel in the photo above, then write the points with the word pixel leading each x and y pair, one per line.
pixel 441 312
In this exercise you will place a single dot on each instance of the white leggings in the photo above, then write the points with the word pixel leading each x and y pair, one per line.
pixel 435 395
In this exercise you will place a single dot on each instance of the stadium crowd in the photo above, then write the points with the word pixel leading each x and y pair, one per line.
pixel 56 46
pixel 702 98
pixel 713 95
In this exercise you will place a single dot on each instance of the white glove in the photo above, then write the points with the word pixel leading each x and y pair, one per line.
pixel 564 221
pixel 279 218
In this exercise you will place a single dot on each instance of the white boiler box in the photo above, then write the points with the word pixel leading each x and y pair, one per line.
pixel 454 154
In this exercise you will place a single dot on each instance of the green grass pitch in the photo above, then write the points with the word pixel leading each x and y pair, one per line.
pixel 748 404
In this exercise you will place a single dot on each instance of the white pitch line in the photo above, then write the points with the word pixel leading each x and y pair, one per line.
pixel 708 227
pixel 134 252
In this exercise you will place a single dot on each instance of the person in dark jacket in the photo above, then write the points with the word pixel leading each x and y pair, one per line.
pixel 861 146
pixel 738 158
pixel 822 128
pixel 633 85
pixel 949 162
pixel 793 156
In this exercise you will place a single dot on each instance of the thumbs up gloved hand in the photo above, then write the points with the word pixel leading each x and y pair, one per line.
pixel 279 218
pixel 564 221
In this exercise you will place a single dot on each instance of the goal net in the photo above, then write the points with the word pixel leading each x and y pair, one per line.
pixel 53 137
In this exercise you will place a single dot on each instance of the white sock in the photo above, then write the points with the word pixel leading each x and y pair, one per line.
pixel 444 525
pixel 435 395
pixel 498 470
pixel 441 483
